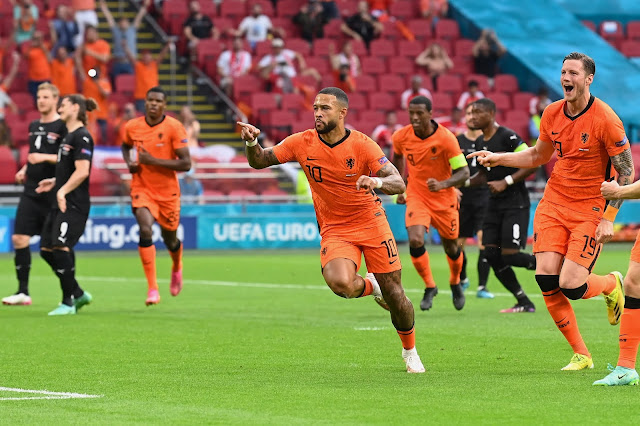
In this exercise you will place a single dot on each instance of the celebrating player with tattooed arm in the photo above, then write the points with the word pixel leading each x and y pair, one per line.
pixel 571 221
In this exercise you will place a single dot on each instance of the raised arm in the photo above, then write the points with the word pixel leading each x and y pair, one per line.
pixel 258 157
pixel 163 53
pixel 141 14
pixel 107 14
pixel 526 159
pixel 13 71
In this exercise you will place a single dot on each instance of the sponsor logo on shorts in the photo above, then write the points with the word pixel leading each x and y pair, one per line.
pixel 323 251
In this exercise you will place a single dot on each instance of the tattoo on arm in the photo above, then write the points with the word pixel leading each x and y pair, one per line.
pixel 392 182
pixel 458 177
pixel 260 158
pixel 623 163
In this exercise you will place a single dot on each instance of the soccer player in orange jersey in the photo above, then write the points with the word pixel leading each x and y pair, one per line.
pixel 571 222
pixel 435 166
pixel 624 373
pixel 338 163
pixel 155 148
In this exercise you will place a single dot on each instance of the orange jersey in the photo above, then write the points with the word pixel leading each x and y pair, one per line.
pixel 583 144
pixel 332 172
pixel 146 78
pixel 63 76
pixel 161 141
pixel 428 158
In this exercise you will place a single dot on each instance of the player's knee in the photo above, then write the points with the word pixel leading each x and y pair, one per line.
pixel 20 241
pixel 492 254
pixel 146 233
pixel 451 249
pixel 416 241
pixel 548 283
pixel 340 284
pixel 417 251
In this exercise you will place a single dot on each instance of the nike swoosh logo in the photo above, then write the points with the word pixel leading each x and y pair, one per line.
pixel 621 377
pixel 392 262
pixel 555 133
pixel 311 159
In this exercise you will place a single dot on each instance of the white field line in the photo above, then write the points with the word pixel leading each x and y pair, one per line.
pixel 47 394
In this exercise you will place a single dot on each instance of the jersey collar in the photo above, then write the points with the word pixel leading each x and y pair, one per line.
pixel 591 100
pixel 159 122
pixel 348 132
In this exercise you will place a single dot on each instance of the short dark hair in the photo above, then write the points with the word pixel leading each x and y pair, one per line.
pixel 473 83
pixel 422 100
pixel 485 103
pixel 340 95
pixel 588 63
pixel 157 89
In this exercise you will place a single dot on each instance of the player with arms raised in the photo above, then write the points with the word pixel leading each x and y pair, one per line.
pixel 571 222
pixel 338 162
pixel 155 148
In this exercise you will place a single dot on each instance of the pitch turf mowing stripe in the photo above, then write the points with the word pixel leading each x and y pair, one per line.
pixel 45 394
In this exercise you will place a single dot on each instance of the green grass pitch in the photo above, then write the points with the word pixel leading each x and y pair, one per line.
pixel 258 338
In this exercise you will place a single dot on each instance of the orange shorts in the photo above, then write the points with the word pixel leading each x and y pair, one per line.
pixel 165 212
pixel 445 220
pixel 635 251
pixel 569 231
pixel 377 244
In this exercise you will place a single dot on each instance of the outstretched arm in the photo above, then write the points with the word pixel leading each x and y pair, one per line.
pixel 527 159
pixel 141 14
pixel 497 186
pixel 258 157
pixel 107 14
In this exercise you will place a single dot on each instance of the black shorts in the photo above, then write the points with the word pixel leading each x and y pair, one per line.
pixel 471 218
pixel 63 229
pixel 506 228
pixel 31 215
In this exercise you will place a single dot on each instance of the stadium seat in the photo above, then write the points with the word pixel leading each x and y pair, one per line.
pixel 633 30
pixel 245 85
pixel 234 9
pixel 442 102
pixel 263 102
pixel 298 45
pixel 463 65
pixel 483 81
pixel 280 123
pixel 450 83
pixel 301 126
pixel 519 126
pixel 126 83
pixel 402 65
pixel 358 101
pixel 505 83
pixel 382 47
pixel 589 24
pixel 31 115
pixel 328 80
pixel 287 8
pixel 8 166
pixel 447 29
pixel 630 48
pixel 502 100
pixel 293 102
pixel 463 47
pixel 174 13
pixel 262 49
pixel 404 9
pixel 403 117
pixel 365 126
pixel 447 45
pixel 421 29
pixel 274 195
pixel 390 30
pixel 208 52
pixel 321 47
pixel 23 152
pixel 611 30
pixel 241 194
pixel 208 8
pixel 373 65
pixel 382 101
pixel 366 83
pixel 319 63
pixel 224 25
pixel 19 132
pixel 409 48
pixel 332 29
pixel 103 182
pixel 24 101
pixel 517 116
pixel 267 7
pixel 372 117
pixel 359 48
pixel 289 27
pixel 520 100
pixel 391 83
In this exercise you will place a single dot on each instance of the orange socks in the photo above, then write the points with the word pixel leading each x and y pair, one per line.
pixel 148 257
pixel 368 288
pixel 176 257
pixel 408 338
pixel 421 264
pixel 455 267
pixel 629 333
pixel 598 284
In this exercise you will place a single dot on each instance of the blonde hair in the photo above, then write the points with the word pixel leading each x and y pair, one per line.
pixel 50 87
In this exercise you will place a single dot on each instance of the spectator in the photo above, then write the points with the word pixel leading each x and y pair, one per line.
pixel 311 21
pixel 38 60
pixel 436 62
pixel 362 26
pixel 534 122
pixel 25 19
pixel 345 57
pixel 198 26
pixel 542 98
pixel 472 94
pixel 435 9
pixel 454 122
pixel 85 16
pixel 382 133
pixel 127 31
pixel 64 29
pixel 63 72
pixel 278 68
pixel 128 113
pixel 5 100
pixel 191 190
pixel 486 52
pixel 330 9
pixel 191 126
pixel 94 53
pixel 416 89
pixel 146 71
pixel 95 85
pixel 233 63
pixel 256 27
pixel 380 9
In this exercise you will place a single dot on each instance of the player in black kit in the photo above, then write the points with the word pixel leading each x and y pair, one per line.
pixel 473 209
pixel 504 232
pixel 45 135
pixel 66 221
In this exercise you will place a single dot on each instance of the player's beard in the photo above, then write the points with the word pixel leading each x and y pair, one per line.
pixel 327 127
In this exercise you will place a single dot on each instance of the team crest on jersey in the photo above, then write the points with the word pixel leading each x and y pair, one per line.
pixel 52 137
pixel 350 162
pixel 159 135
pixel 584 137
pixel 433 150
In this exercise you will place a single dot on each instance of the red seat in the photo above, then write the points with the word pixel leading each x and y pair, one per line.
pixel 103 182
pixel 224 25
pixel 267 7
pixel 463 47
pixel 502 100
pixel 364 126
pixel 359 48
pixel 421 28
pixel 262 49
pixel 373 117
pixel 208 8
pixel 373 65
pixel 272 195
pixel 319 63
pixel 442 102
pixel 280 124
pixel 519 126
pixel 450 83
pixel 390 30
pixel 245 85
pixel 321 47
pixel 23 152
pixel 8 166
pixel 589 24
pixel 358 101
pixel 125 84
pixel 463 65
pixel 382 47
pixel 409 48
pixel 611 30
pixel 630 48
pixel 517 116
pixel 483 81
pixel 174 13
pixel 633 30
pixel 391 83
pixel 366 83
pixel 292 102
pixel 382 101
pixel 234 9
pixel 403 65
pixel 19 132
pixel 263 103
pixel 447 29
pixel 241 194
pixel 332 29
pixel 298 45
pixel 520 100
pixel 24 101
pixel 208 52
pixel 404 9
pixel 287 8
pixel 505 83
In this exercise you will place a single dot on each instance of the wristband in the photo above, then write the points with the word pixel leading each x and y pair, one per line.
pixel 509 180
pixel 467 183
pixel 610 213
pixel 378 182
pixel 252 143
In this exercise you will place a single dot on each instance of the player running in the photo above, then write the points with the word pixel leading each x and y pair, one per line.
pixel 155 148
pixel 65 223
pixel 435 167
pixel 45 135
pixel 571 222
pixel 352 222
